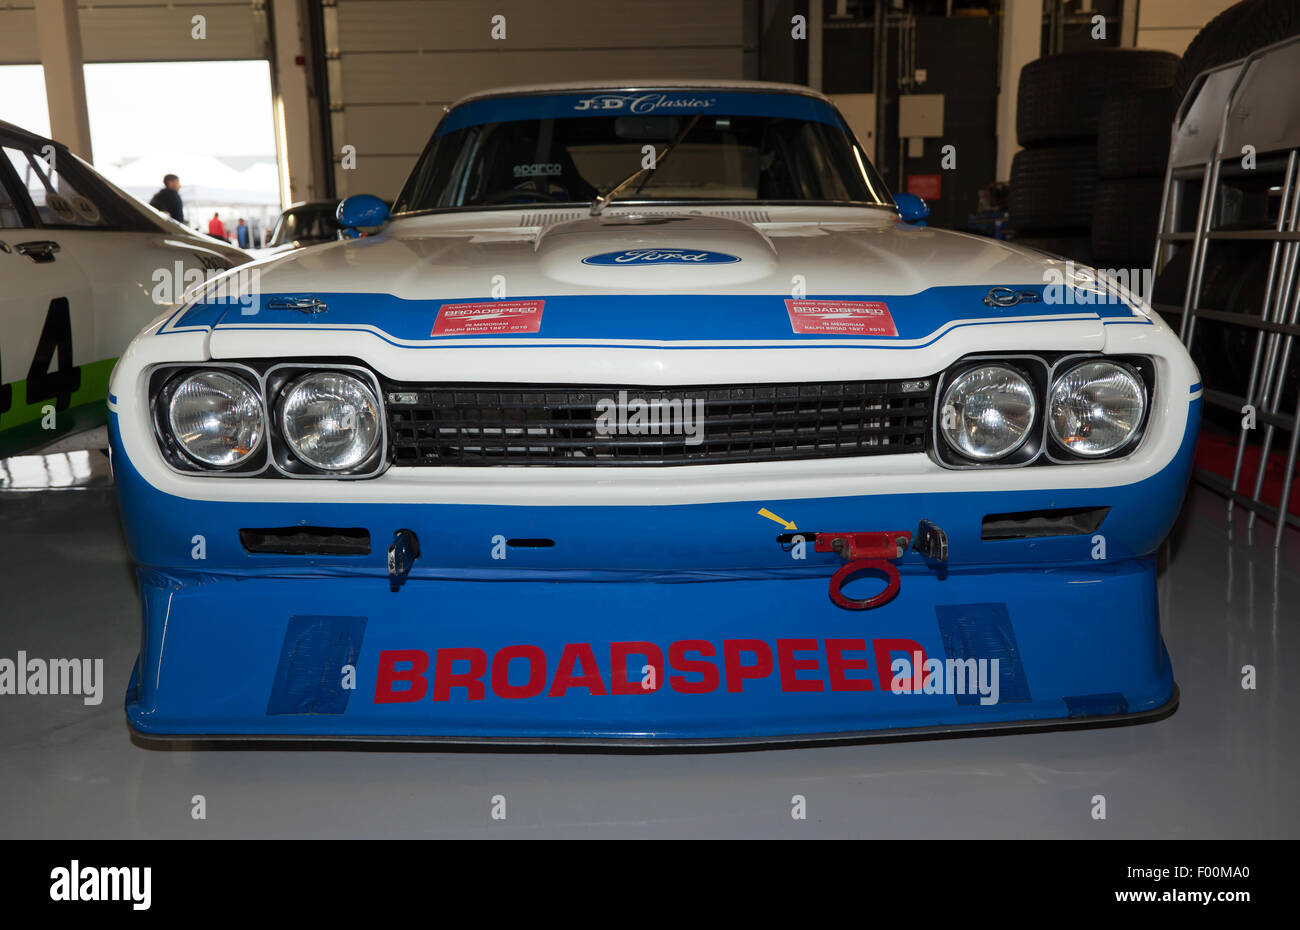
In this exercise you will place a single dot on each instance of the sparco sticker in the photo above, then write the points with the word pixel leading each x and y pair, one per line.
pixel 851 317
pixel 488 318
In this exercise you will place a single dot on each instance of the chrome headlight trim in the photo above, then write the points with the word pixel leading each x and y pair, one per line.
pixel 1045 370
pixel 163 380
pixel 360 436
pixel 1139 369
pixel 273 459
pixel 1016 386
pixel 281 378
pixel 1034 370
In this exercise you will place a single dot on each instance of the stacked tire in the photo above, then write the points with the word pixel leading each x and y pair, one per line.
pixel 1055 179
pixel 1235 33
pixel 1132 150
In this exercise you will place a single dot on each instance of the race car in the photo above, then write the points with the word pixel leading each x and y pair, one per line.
pixel 650 417
pixel 83 266
pixel 302 225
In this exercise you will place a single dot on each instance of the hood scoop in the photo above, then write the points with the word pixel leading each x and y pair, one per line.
pixel 654 251
pixel 545 218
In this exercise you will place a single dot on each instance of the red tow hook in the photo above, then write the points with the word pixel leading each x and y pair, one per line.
pixel 864 552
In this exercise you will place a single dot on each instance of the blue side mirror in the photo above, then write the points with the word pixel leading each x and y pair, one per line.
pixel 911 208
pixel 361 210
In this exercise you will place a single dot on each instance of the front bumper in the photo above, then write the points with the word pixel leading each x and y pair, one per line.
pixel 538 661
pixel 675 625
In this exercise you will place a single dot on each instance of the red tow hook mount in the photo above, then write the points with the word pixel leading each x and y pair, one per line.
pixel 864 552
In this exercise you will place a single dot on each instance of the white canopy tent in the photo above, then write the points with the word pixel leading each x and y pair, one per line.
pixel 208 186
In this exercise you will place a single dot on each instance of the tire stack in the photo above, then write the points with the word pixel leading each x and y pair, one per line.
pixel 1055 178
pixel 1235 33
pixel 1132 151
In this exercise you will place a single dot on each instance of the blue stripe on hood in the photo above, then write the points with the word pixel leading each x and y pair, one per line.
pixel 657 317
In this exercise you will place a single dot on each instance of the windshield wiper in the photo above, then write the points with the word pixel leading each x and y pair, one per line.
pixel 599 204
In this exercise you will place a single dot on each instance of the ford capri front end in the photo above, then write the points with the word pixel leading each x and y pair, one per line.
pixel 645 418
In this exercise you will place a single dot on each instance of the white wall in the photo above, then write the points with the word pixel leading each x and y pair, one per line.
pixel 1021 43
pixel 1172 24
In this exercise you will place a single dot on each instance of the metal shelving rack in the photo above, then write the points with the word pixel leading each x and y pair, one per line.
pixel 1252 102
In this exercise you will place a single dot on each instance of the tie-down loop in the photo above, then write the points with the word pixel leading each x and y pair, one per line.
pixel 862 553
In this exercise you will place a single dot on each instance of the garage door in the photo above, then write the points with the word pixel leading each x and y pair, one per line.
pixel 145 30
pixel 394 64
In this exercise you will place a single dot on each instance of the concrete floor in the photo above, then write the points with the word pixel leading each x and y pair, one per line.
pixel 1223 766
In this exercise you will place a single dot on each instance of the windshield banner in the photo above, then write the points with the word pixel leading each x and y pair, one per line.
pixel 675 101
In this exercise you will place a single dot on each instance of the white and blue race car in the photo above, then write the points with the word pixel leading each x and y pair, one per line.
pixel 83 266
pixel 649 416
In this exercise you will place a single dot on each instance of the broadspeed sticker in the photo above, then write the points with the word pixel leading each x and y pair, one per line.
pixel 688 666
pixel 489 317
pixel 845 317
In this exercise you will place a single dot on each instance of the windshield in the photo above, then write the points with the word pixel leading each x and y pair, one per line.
pixel 803 157
pixel 306 224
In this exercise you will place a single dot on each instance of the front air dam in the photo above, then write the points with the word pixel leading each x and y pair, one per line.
pixel 619 663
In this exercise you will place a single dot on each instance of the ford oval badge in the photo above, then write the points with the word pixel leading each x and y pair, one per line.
pixel 661 257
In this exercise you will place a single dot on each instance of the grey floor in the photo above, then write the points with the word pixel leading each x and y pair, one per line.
pixel 1223 766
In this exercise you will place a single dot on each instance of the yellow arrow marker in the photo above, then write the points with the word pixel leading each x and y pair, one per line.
pixel 771 516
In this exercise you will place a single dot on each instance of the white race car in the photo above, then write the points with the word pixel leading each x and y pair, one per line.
pixel 649 416
pixel 302 225
pixel 83 267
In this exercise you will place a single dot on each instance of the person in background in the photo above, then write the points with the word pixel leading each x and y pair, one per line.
pixel 216 228
pixel 243 235
pixel 168 200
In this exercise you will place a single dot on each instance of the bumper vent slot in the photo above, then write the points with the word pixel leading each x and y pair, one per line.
pixel 481 424
pixel 307 540
pixel 1035 524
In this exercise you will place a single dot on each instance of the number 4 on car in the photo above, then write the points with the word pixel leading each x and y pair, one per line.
pixel 76 254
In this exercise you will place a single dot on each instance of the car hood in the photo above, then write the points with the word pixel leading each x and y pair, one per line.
pixel 659 254
pixel 656 277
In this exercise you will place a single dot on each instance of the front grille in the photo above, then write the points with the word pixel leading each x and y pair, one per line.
pixel 485 424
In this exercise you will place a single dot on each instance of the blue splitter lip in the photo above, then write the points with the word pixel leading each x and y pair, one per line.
pixel 749 660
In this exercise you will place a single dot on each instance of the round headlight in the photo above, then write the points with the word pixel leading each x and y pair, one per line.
pixel 987 412
pixel 217 418
pixel 330 420
pixel 1096 408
